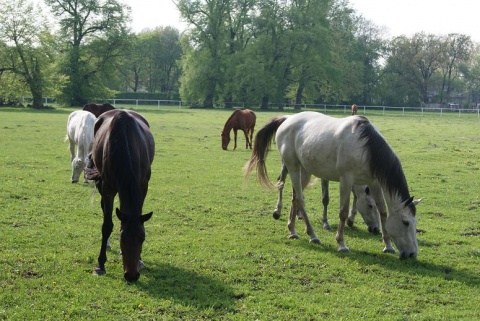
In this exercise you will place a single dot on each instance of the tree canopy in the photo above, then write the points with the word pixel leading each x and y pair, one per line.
pixel 260 53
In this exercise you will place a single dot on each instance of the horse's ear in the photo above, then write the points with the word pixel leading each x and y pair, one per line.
pixel 120 215
pixel 415 202
pixel 408 201
pixel 146 217
pixel 367 190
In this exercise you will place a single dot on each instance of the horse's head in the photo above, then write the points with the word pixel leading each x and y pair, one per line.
pixel 225 140
pixel 78 165
pixel 401 226
pixel 367 207
pixel 132 235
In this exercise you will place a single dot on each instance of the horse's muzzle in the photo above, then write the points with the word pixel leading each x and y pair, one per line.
pixel 405 255
pixel 131 277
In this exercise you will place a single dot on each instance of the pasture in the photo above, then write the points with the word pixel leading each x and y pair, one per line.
pixel 213 250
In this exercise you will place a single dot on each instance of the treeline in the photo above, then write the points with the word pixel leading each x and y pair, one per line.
pixel 257 53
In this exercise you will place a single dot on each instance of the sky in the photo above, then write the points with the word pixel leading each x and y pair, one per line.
pixel 396 17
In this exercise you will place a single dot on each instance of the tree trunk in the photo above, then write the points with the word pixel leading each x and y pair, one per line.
pixel 264 105
pixel 76 80
pixel 35 84
pixel 299 95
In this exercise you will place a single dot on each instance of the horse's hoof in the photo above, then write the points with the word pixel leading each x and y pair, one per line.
pixel 293 236
pixel 327 227
pixel 99 271
pixel 315 240
pixel 349 222
pixel 343 249
pixel 73 182
pixel 276 215
pixel 389 250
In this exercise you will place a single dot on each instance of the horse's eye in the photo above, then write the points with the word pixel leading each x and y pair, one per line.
pixel 370 206
pixel 406 223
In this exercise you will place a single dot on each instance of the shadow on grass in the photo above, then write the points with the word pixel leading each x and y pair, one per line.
pixel 192 289
pixel 393 263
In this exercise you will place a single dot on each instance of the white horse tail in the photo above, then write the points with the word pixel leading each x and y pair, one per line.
pixel 261 147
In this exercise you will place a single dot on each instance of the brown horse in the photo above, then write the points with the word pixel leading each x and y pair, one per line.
pixel 240 119
pixel 98 109
pixel 354 109
pixel 120 161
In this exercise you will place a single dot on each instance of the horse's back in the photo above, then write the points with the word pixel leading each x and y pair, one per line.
pixel 248 117
pixel 325 146
pixel 80 123
pixel 139 140
pixel 97 109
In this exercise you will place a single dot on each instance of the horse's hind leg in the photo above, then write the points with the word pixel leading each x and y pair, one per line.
pixel 72 149
pixel 250 142
pixel 298 205
pixel 325 201
pixel 247 142
pixel 281 183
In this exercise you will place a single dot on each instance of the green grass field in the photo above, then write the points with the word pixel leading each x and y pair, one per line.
pixel 213 250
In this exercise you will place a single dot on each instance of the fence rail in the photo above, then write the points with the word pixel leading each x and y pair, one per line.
pixel 326 108
pixel 362 110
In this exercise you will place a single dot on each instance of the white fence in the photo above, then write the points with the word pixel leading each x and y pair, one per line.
pixel 326 108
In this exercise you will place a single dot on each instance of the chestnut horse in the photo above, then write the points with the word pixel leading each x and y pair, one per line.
pixel 98 109
pixel 347 150
pixel 120 162
pixel 354 109
pixel 243 120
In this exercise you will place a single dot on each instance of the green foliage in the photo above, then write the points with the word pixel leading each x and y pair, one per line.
pixel 93 34
pixel 22 33
pixel 213 250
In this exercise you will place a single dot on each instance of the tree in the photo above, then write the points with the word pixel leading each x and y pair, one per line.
pixel 204 49
pixel 22 32
pixel 83 23
pixel 416 60
pixel 457 50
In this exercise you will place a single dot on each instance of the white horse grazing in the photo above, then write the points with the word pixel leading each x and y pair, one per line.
pixel 363 202
pixel 348 150
pixel 80 126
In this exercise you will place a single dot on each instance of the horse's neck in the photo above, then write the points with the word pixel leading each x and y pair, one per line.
pixel 228 127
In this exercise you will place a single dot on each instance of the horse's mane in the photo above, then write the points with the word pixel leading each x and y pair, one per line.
pixel 234 114
pixel 384 164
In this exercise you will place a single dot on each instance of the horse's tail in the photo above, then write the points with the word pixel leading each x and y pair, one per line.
pixel 261 147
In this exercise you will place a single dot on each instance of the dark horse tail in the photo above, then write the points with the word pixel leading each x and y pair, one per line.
pixel 261 147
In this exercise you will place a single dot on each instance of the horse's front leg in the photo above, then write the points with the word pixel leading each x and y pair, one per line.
pixel 107 228
pixel 325 201
pixel 235 138
pixel 377 195
pixel 353 212
pixel 345 189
